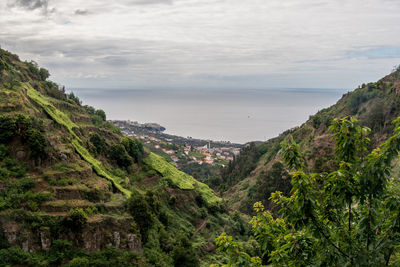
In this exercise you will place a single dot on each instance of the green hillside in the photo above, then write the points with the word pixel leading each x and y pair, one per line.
pixel 74 191
pixel 258 171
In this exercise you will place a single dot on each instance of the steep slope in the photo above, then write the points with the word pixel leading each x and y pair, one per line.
pixel 73 189
pixel 374 104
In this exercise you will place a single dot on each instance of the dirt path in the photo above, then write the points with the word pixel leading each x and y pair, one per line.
pixel 199 228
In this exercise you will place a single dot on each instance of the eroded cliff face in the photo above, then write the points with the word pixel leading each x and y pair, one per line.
pixel 97 234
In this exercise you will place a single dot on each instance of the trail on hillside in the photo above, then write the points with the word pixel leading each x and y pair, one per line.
pixel 199 228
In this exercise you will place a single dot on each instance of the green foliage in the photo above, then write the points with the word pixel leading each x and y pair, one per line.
pixel 139 208
pixel 101 114
pixel 240 167
pixel 18 193
pixel 7 128
pixel 275 179
pixel 134 148
pixel 76 219
pixel 74 98
pixel 58 116
pixel 79 262
pixel 184 255
pixel 359 96
pixel 112 128
pixel 44 74
pixel 10 168
pixel 15 256
pixel 99 143
pixel 37 143
pixel 181 179
pixel 349 217
pixel 119 154
pixel 237 257
pixel 98 167
pixel 60 251
pixel 62 119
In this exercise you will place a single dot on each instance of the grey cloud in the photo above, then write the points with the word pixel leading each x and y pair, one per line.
pixel 150 2
pixel 31 4
pixel 81 12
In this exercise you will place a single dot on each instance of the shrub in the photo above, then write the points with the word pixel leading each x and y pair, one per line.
pixel 76 220
pixel 184 254
pixel 37 143
pixel 134 148
pixel 7 128
pixel 119 154
pixel 15 256
pixel 141 212
pixel 44 74
pixel 60 250
pixel 101 114
pixel 99 143
pixel 74 98
pixel 79 262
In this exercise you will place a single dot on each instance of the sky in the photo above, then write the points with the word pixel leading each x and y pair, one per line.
pixel 205 43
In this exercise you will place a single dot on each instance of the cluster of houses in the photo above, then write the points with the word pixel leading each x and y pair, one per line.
pixel 201 154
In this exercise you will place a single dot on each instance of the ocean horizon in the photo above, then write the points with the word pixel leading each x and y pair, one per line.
pixel 235 115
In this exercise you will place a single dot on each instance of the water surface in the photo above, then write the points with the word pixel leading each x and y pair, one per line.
pixel 231 115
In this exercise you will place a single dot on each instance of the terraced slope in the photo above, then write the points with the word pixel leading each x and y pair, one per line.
pixel 69 178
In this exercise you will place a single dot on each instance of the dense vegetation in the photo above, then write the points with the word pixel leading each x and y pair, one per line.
pixel 74 191
pixel 347 217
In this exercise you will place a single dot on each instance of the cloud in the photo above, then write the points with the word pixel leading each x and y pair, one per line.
pixel 381 52
pixel 187 43
pixel 150 2
pixel 81 12
pixel 31 4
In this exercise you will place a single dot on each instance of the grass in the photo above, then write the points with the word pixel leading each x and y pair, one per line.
pixel 62 119
pixel 98 167
pixel 58 116
pixel 180 179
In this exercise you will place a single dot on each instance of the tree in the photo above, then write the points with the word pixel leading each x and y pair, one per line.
pixel 99 143
pixel 140 209
pixel 349 217
pixel 101 114
pixel 44 74
pixel 184 254
pixel 7 128
pixel 134 148
pixel 119 154
pixel 37 143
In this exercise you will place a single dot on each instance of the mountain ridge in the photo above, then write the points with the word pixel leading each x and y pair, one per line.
pixel 375 104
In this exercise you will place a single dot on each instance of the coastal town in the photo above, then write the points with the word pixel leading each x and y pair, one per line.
pixel 179 150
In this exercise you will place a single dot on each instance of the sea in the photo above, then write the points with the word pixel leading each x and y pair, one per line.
pixel 234 115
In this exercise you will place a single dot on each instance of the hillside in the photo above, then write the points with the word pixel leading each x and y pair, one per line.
pixel 258 171
pixel 75 191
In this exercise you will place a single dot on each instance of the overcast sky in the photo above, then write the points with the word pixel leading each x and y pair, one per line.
pixel 205 43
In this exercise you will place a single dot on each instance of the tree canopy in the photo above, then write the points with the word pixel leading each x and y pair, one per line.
pixel 348 217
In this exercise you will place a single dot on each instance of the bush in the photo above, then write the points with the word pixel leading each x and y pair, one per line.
pixel 99 143
pixel 7 128
pixel 60 250
pixel 76 220
pixel 119 154
pixel 15 256
pixel 101 114
pixel 184 254
pixel 44 74
pixel 74 98
pixel 79 262
pixel 134 148
pixel 141 212
pixel 37 143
